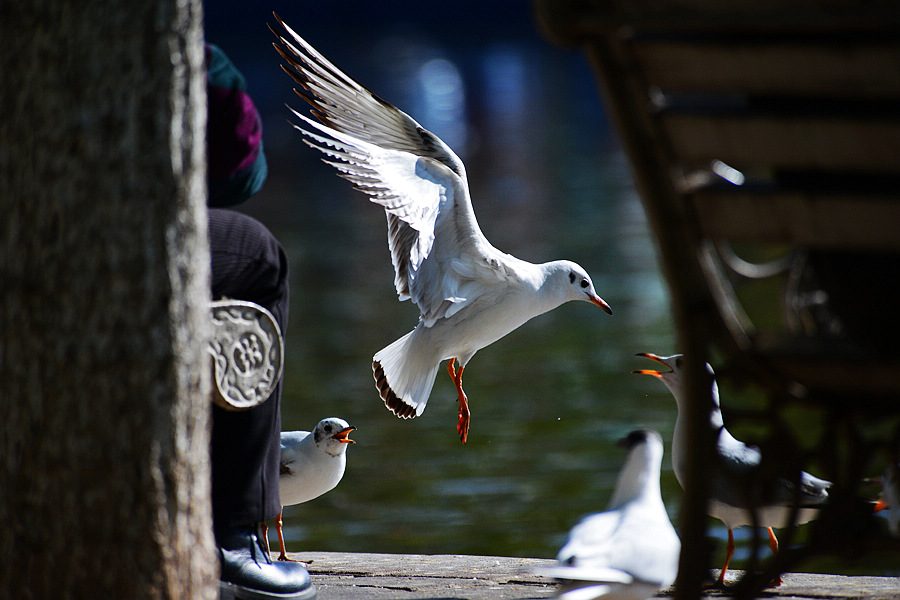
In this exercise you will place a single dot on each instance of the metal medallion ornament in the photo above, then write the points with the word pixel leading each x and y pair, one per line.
pixel 248 354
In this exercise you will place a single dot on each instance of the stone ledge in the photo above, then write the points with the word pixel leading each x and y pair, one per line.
pixel 353 576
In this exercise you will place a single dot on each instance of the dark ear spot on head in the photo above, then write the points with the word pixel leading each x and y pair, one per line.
pixel 571 277
pixel 633 439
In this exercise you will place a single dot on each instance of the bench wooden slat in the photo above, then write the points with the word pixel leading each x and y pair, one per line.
pixel 816 221
pixel 857 68
pixel 782 143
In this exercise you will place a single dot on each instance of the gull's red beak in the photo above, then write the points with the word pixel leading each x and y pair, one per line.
pixel 601 303
pixel 343 435
pixel 655 358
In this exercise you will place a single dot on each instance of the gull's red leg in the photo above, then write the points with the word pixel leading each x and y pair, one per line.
pixel 278 526
pixel 265 534
pixel 729 552
pixel 462 425
pixel 773 541
pixel 773 544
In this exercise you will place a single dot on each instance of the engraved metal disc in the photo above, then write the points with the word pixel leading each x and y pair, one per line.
pixel 248 353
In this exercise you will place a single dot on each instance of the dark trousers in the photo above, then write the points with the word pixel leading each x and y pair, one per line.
pixel 248 263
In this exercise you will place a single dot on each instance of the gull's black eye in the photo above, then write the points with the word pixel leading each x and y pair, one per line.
pixel 328 429
pixel 584 283
pixel 571 277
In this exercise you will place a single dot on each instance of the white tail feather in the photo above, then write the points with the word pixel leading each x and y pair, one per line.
pixel 404 375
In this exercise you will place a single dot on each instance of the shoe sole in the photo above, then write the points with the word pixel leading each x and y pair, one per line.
pixel 232 591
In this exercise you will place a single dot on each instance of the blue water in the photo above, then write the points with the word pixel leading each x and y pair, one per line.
pixel 549 401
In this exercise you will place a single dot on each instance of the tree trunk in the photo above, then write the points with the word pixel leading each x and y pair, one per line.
pixel 104 282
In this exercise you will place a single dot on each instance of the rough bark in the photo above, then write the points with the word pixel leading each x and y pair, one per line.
pixel 104 269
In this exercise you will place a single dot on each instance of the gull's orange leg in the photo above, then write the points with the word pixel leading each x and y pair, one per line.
pixel 278 525
pixel 773 544
pixel 462 425
pixel 773 541
pixel 265 535
pixel 729 552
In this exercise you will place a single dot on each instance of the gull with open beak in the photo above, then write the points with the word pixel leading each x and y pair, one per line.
pixel 312 463
pixel 739 491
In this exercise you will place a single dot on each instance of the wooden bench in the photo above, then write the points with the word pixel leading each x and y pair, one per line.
pixel 765 143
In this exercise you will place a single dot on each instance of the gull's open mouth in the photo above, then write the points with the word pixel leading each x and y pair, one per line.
pixel 654 358
pixel 343 435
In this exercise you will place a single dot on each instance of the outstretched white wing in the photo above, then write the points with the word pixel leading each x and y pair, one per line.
pixel 437 248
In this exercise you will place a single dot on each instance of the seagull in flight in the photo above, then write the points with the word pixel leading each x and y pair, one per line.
pixel 738 491
pixel 631 550
pixel 469 294
pixel 312 463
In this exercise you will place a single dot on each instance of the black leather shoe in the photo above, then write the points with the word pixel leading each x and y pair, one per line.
pixel 248 573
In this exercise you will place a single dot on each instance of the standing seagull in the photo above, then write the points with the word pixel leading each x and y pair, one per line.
pixel 630 551
pixel 311 464
pixel 737 492
pixel 469 293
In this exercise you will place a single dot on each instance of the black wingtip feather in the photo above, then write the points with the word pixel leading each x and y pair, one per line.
pixel 391 401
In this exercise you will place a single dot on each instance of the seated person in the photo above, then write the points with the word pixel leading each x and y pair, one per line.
pixel 248 264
